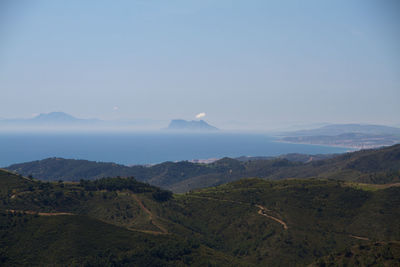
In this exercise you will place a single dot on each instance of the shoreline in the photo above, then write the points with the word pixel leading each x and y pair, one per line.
pixel 351 147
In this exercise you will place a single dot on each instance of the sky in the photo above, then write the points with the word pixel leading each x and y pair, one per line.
pixel 246 64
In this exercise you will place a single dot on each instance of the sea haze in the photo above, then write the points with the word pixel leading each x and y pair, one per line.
pixel 145 148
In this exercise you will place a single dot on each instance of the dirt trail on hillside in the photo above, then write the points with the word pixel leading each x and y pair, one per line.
pixel 31 212
pixel 360 237
pixel 151 216
pixel 262 210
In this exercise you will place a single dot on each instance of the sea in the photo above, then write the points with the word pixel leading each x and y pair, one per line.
pixel 145 148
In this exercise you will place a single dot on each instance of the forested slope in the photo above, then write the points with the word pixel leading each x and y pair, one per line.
pixel 251 222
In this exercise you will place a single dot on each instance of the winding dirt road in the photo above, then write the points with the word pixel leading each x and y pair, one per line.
pixel 262 210
pixel 360 237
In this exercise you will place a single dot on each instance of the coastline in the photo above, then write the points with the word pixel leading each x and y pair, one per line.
pixel 344 146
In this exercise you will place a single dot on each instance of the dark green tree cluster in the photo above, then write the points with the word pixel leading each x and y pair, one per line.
pixel 129 183
pixel 118 183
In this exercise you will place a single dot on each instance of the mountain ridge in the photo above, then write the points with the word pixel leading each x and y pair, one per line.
pixel 379 166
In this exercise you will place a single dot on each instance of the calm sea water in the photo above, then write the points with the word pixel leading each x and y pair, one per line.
pixel 143 148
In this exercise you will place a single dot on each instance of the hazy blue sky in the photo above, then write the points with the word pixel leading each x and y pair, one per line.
pixel 265 62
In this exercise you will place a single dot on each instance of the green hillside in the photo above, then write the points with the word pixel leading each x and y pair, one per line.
pixel 377 166
pixel 83 241
pixel 312 218
pixel 370 254
pixel 72 224
pixel 251 222
pixel 54 169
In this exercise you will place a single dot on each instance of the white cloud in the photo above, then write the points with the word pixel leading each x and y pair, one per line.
pixel 200 115
pixel 115 108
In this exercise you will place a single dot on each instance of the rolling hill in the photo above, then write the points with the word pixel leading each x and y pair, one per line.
pixel 378 166
pixel 250 222
pixel 48 224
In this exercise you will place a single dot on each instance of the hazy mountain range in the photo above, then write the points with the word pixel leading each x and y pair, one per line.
pixel 358 136
pixel 336 129
pixel 64 121
pixel 57 118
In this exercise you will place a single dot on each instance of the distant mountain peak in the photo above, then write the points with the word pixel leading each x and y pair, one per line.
pixel 197 125
pixel 55 116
